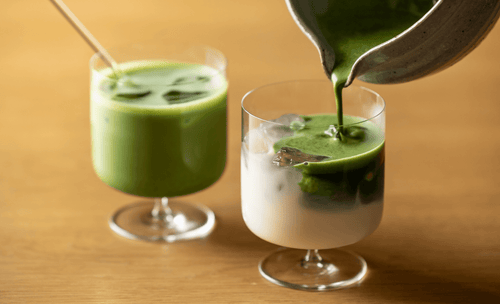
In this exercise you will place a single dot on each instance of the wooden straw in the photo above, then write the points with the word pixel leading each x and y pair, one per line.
pixel 86 35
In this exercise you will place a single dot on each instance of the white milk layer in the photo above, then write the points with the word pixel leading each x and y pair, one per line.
pixel 275 208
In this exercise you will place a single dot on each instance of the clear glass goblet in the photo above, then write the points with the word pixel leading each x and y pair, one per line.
pixel 158 130
pixel 310 203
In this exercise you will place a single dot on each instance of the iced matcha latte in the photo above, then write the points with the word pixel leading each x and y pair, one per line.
pixel 161 131
pixel 302 186
pixel 158 129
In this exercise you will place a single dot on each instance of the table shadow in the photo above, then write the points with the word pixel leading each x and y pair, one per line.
pixel 412 279
pixel 411 286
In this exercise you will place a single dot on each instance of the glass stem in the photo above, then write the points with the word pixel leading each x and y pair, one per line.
pixel 161 211
pixel 312 259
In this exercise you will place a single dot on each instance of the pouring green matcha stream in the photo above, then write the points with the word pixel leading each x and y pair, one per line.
pixel 392 41
pixel 352 28
pixel 356 27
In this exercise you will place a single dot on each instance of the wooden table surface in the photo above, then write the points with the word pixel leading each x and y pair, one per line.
pixel 439 238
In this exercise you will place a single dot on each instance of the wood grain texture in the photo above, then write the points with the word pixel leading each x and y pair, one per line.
pixel 439 238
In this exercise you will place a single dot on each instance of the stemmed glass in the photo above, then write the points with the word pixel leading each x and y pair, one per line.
pixel 158 130
pixel 305 202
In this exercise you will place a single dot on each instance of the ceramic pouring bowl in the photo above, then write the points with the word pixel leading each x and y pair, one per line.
pixel 445 34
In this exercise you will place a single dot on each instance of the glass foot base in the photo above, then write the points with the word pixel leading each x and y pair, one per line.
pixel 334 270
pixel 187 222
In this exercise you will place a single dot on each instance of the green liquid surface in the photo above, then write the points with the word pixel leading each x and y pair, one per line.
pixel 361 141
pixel 353 167
pixel 160 131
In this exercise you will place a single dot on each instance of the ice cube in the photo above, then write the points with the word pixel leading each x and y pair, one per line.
pixel 184 80
pixel 274 132
pixel 203 78
pixel 126 90
pixel 262 139
pixel 191 79
pixel 297 125
pixel 280 127
pixel 130 95
pixel 288 118
pixel 256 141
pixel 176 96
pixel 287 156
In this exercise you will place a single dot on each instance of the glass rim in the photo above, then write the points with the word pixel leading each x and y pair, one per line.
pixel 185 47
pixel 314 80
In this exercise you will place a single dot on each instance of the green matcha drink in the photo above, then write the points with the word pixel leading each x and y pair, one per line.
pixel 159 130
pixel 301 185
